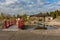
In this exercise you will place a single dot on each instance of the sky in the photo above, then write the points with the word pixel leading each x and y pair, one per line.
pixel 28 6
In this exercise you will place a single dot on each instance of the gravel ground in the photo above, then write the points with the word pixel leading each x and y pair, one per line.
pixel 30 35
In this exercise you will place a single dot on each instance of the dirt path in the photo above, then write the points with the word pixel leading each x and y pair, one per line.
pixel 30 35
pixel 54 22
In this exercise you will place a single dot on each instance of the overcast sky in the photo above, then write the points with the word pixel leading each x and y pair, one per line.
pixel 28 6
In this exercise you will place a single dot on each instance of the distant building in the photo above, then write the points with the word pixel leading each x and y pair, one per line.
pixel 48 19
pixel 41 18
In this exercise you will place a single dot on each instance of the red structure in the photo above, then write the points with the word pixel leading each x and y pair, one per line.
pixel 20 23
pixel 8 23
pixel 5 24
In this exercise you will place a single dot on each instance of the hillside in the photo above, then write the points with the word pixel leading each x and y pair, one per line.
pixel 56 21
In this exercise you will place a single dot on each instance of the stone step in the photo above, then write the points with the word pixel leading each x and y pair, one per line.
pixel 13 27
pixel 10 29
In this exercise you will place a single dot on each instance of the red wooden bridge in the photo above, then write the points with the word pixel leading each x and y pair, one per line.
pixel 9 23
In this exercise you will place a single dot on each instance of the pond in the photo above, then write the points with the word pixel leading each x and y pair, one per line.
pixel 38 27
pixel 49 27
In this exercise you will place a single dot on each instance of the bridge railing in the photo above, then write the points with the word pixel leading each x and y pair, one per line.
pixel 8 23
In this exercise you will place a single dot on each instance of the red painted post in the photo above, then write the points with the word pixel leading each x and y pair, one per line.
pixel 5 24
pixel 19 23
pixel 22 21
pixel 8 22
